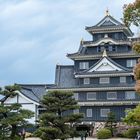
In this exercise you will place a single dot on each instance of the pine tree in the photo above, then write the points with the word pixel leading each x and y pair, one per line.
pixel 11 116
pixel 111 122
pixel 57 122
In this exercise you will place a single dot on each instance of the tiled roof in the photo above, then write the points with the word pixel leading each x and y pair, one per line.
pixel 98 87
pixel 65 76
pixel 109 59
pixel 103 74
pixel 109 23
pixel 95 56
pixel 111 18
pixel 34 92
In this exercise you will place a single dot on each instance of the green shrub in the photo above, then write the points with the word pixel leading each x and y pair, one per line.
pixel 120 135
pixel 104 134
pixel 131 133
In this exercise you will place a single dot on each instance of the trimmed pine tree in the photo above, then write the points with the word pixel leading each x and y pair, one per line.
pixel 58 121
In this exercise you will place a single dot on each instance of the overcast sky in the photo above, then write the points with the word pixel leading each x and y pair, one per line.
pixel 35 35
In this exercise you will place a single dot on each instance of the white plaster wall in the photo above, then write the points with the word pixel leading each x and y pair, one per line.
pixel 105 65
pixel 26 104
pixel 105 68
pixel 31 107
pixel 11 100
pixel 22 100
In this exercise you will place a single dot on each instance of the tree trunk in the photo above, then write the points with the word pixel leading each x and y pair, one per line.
pixel 13 132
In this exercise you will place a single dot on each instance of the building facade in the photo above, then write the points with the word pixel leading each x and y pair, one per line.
pixel 101 78
pixel 102 75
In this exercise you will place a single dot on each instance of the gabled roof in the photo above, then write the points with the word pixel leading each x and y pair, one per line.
pixel 109 24
pixel 105 64
pixel 108 21
pixel 34 92
pixel 64 76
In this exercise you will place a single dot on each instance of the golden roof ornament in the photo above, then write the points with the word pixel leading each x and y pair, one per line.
pixel 107 12
pixel 104 53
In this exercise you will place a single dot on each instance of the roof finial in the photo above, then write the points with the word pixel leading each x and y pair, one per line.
pixel 81 42
pixel 107 12
pixel 104 53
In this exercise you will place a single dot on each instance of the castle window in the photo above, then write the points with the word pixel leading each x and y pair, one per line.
pixel 127 110
pixel 100 48
pixel 91 96
pixel 104 80
pixel 76 96
pixel 104 112
pixel 114 48
pixel 111 95
pixel 83 65
pixel 116 36
pixel 122 79
pixel 110 48
pixel 131 63
pixel 86 81
pixel 89 112
pixel 130 95
pixel 76 111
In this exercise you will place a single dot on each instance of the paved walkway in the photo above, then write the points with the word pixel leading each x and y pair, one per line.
pixel 86 139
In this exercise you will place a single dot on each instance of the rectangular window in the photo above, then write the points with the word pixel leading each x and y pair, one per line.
pixel 111 95
pixel 104 80
pixel 83 65
pixel 114 49
pixel 110 48
pixel 91 95
pixel 104 112
pixel 107 48
pixel 76 96
pixel 116 35
pixel 41 110
pixel 127 110
pixel 102 48
pixel 76 111
pixel 98 49
pixel 131 63
pixel 130 95
pixel 86 81
pixel 122 79
pixel 89 112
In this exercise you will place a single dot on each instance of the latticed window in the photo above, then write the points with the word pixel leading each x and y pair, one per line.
pixel 76 96
pixel 131 63
pixel 104 80
pixel 129 95
pixel 89 112
pixel 83 65
pixel 86 81
pixel 126 111
pixel 91 96
pixel 104 112
pixel 122 79
pixel 111 95
pixel 76 111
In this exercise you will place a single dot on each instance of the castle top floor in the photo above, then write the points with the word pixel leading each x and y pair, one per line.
pixel 109 27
